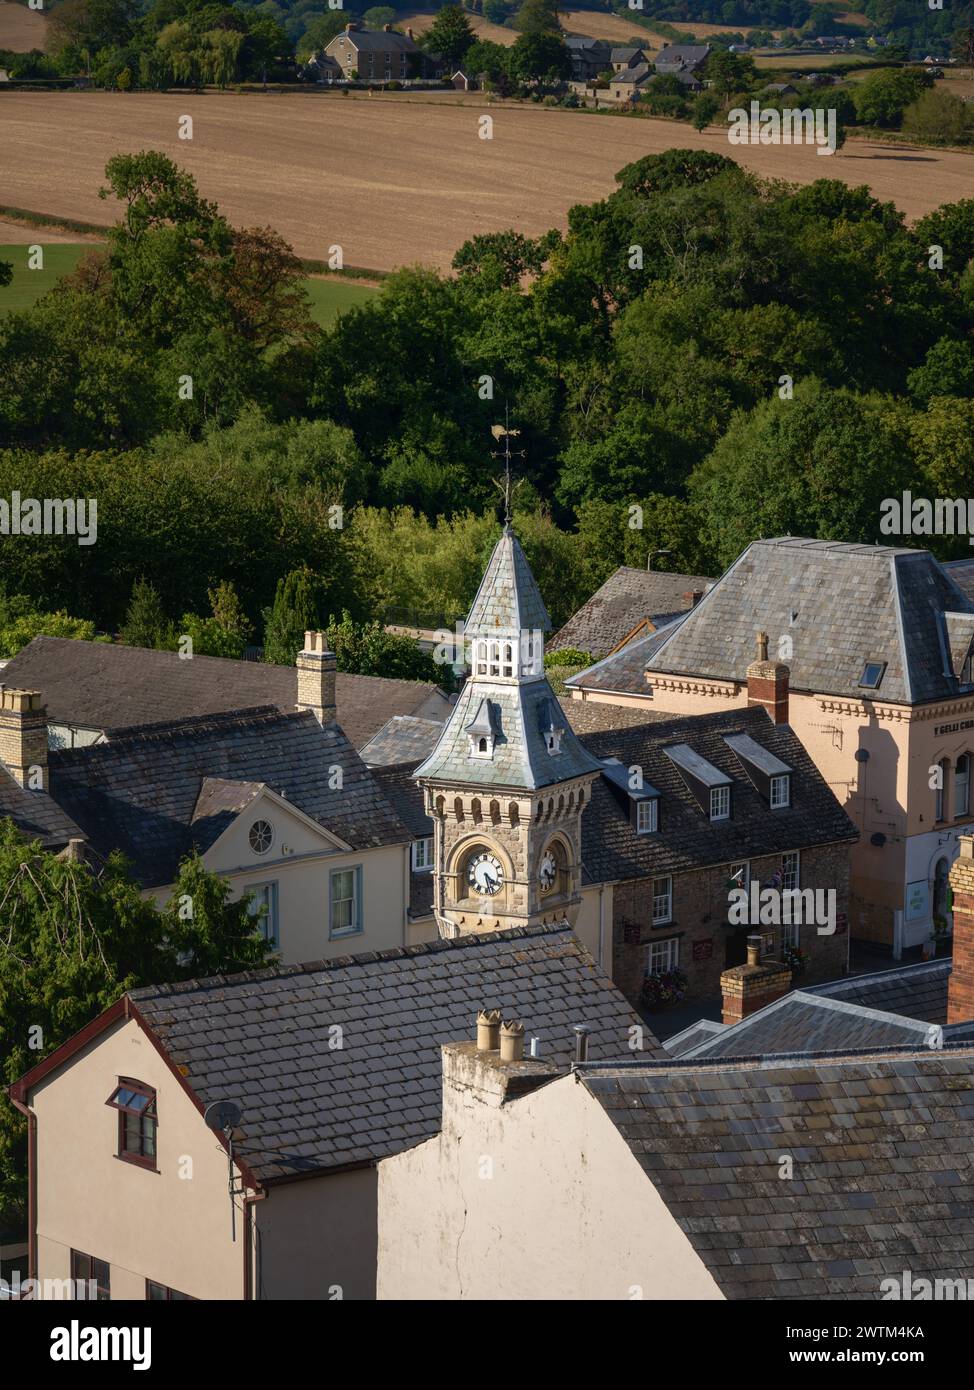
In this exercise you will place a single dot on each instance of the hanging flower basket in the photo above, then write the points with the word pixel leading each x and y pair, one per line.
pixel 663 988
pixel 795 959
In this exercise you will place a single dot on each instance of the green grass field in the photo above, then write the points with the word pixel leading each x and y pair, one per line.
pixel 329 298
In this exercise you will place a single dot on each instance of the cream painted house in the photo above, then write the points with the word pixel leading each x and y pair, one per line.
pixel 332 1067
pixel 665 1179
pixel 868 651
pixel 274 800
pixel 528 1192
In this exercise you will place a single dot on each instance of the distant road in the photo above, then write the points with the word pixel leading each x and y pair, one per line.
pixel 396 181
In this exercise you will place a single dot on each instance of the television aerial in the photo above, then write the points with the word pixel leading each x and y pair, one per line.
pixel 224 1116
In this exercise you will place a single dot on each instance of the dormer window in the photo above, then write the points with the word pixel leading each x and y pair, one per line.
pixel 720 803
pixel 647 816
pixel 553 741
pixel 780 791
pixel 481 732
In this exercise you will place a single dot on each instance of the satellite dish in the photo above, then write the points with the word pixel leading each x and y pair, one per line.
pixel 222 1114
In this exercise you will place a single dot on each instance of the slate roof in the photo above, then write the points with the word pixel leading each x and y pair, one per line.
pixel 679 1043
pixel 151 793
pixel 623 55
pixel 881 1145
pixel 687 839
pixel 403 738
pixel 521 758
pixel 406 739
pixel 508 602
pixel 405 797
pixel 625 672
pixel 635 75
pixel 962 573
pixel 800 1022
pixel 262 1038
pixel 35 814
pixel 590 716
pixel 366 40
pixel 842 605
pixel 103 685
pixel 627 598
pixel 681 55
pixel 916 991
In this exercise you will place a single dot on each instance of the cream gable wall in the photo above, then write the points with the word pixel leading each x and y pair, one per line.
pixel 147 1225
pixel 303 881
pixel 567 1213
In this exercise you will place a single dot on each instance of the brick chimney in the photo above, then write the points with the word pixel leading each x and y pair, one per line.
pixel 23 737
pixel 692 597
pixel 960 989
pixel 747 988
pixel 767 683
pixel 316 678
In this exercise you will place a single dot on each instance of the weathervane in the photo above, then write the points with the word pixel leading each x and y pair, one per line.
pixel 507 434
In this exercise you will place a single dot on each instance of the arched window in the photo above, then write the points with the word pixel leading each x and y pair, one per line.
pixel 962 785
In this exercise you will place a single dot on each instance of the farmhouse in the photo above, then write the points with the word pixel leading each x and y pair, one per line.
pixel 681 59
pixel 370 55
pixel 589 57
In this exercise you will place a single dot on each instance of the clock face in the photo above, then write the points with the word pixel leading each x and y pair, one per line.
pixel 485 874
pixel 547 871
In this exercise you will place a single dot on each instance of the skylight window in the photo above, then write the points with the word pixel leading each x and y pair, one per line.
pixel 872 674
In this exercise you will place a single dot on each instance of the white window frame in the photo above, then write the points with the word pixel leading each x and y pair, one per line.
pixel 783 779
pixel 790 935
pixel 647 810
pixel 791 877
pixel 662 900
pixel 663 955
pixel 422 854
pixel 744 864
pixel 356 928
pixel 266 894
pixel 722 793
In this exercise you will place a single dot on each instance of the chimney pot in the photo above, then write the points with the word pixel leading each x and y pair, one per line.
pixel 761 644
pixel 754 944
pixel 512 1041
pixel 488 1030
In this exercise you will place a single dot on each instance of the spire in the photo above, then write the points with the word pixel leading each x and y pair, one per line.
pixel 508 602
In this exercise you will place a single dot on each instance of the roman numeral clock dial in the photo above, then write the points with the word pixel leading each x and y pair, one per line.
pixel 485 874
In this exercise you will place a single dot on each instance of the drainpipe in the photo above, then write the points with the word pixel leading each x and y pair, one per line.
pixel 251 1260
pixel 31 1184
pixel 601 928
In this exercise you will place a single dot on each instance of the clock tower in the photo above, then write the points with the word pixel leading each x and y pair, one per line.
pixel 508 780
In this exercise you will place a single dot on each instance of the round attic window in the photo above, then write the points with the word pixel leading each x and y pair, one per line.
pixel 261 836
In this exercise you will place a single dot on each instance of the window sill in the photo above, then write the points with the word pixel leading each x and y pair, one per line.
pixel 346 935
pixel 145 1165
